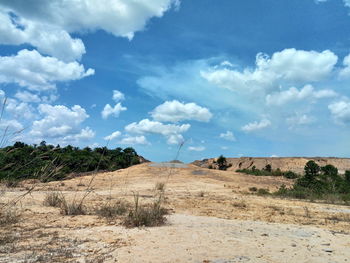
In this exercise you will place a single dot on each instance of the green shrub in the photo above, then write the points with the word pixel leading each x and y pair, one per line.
pixel 262 191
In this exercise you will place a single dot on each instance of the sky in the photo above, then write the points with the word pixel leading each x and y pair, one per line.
pixel 238 78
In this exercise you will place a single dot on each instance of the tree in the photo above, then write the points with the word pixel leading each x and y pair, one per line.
pixel 222 162
pixel 311 171
pixel 268 168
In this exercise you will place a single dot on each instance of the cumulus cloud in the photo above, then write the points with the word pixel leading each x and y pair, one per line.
pixel 115 111
pixel 174 111
pixel 172 132
pixel 119 17
pixel 288 65
pixel 61 123
pixel 26 96
pixel 254 126
pixel 32 70
pixel 130 140
pixel 344 73
pixel 48 39
pixel 118 96
pixel 293 94
pixel 19 110
pixel 229 136
pixel 112 136
pixel 340 111
pixel 196 148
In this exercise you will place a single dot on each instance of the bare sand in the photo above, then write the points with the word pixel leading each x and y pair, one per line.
pixel 214 218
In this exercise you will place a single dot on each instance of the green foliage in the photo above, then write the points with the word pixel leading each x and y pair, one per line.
pixel 222 162
pixel 267 171
pixel 319 183
pixel 48 162
pixel 268 168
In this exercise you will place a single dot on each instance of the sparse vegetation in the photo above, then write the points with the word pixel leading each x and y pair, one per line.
pixel 268 171
pixel 160 186
pixel 8 216
pixel 53 199
pixel 319 183
pixel 146 214
pixel 72 207
pixel 113 209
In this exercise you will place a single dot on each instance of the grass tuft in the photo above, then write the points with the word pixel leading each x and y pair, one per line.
pixel 113 209
pixel 146 215
pixel 53 199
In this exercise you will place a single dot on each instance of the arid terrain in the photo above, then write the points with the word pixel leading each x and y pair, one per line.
pixel 214 217
pixel 294 164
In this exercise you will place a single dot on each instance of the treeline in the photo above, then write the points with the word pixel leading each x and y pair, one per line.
pixel 47 162
pixel 319 183
pixel 268 171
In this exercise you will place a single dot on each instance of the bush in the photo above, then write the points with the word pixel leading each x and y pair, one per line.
pixel 290 175
pixel 72 207
pixel 319 183
pixel 253 189
pixel 53 199
pixel 262 191
pixel 114 209
pixel 146 215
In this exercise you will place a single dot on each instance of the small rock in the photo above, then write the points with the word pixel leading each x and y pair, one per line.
pixel 328 250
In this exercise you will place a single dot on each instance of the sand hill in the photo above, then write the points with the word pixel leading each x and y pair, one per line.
pixel 295 164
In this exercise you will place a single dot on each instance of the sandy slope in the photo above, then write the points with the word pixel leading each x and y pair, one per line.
pixel 215 219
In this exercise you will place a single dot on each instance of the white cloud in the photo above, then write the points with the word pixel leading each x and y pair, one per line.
pixel 26 96
pixel 115 111
pixel 36 72
pixel 196 149
pixel 48 39
pixel 118 96
pixel 344 73
pixel 112 136
pixel 19 109
pixel 61 123
pixel 171 131
pixel 224 148
pixel 298 120
pixel 119 17
pixel 130 140
pixel 254 126
pixel 174 111
pixel 340 111
pixel 289 65
pixel 293 94
pixel 229 136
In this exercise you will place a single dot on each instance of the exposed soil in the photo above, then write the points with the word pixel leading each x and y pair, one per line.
pixel 214 218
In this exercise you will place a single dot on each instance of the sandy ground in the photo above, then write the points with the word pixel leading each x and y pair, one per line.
pixel 215 218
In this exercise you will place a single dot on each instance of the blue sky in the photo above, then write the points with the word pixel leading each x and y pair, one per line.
pixel 238 78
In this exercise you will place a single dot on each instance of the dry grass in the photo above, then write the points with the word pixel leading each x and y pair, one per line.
pixel 8 216
pixel 240 204
pixel 160 186
pixel 147 214
pixel 53 199
pixel 73 207
pixel 113 209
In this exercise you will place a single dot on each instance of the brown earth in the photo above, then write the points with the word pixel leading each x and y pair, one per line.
pixel 295 164
pixel 215 218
